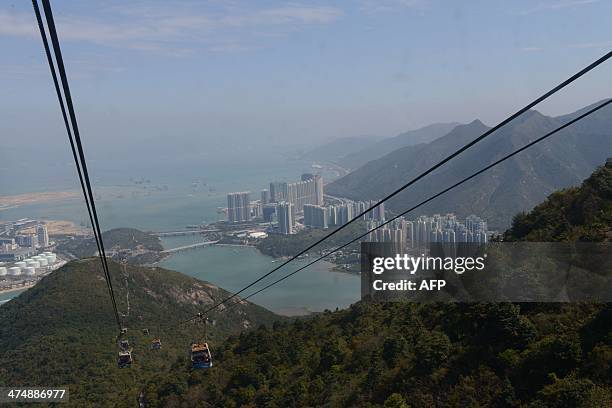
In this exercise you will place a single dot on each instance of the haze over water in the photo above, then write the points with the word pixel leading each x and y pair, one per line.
pixel 192 197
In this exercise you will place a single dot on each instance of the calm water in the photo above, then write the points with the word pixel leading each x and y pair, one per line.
pixel 121 203
pixel 4 297
pixel 314 289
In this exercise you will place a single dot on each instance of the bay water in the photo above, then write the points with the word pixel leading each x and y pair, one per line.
pixel 165 202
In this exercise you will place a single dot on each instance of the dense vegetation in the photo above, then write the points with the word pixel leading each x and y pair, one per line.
pixel 370 355
pixel 400 355
pixel 288 245
pixel 137 246
pixel 62 331
pixel 575 214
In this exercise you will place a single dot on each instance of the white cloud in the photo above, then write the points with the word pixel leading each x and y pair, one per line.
pixel 386 6
pixel 603 44
pixel 17 24
pixel 173 30
pixel 532 49
pixel 552 5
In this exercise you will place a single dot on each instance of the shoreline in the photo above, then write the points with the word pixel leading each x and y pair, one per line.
pixel 331 268
pixel 24 287
pixel 237 245
pixel 18 200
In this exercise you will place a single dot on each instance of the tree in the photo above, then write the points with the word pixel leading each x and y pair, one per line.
pixel 395 400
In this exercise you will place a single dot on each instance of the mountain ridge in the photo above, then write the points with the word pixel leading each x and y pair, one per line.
pixel 515 185
pixel 413 137
pixel 337 148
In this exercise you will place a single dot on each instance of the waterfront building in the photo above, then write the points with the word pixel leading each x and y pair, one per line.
pixel 286 217
pixel 269 212
pixel 315 216
pixel 238 207
pixel 305 192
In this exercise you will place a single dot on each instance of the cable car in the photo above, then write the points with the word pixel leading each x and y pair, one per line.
pixel 156 344
pixel 200 356
pixel 124 345
pixel 125 359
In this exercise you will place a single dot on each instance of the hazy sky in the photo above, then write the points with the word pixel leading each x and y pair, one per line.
pixel 257 73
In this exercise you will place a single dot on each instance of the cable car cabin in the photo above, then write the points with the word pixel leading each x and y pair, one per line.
pixel 156 344
pixel 124 345
pixel 200 356
pixel 125 359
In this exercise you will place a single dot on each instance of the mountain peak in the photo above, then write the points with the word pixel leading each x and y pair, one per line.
pixel 531 114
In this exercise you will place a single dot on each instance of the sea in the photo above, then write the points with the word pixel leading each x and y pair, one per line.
pixel 173 200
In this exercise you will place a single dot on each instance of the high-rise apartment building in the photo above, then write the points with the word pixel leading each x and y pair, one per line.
pixel 286 217
pixel 309 190
pixel 278 191
pixel 238 207
pixel 265 196
pixel 315 216
pixel 269 212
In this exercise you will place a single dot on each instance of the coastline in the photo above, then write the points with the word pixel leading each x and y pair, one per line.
pixel 24 287
pixel 12 201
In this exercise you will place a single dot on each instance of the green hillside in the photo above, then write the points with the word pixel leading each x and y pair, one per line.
pixel 137 246
pixel 575 214
pixel 370 355
pixel 424 355
pixel 409 355
pixel 62 331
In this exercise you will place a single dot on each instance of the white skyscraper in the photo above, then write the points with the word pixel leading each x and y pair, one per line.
pixel 238 207
pixel 43 235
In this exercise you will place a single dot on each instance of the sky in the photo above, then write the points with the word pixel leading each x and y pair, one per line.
pixel 208 79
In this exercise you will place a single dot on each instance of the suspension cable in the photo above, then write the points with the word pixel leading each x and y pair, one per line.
pixel 81 166
pixel 530 105
pixel 464 180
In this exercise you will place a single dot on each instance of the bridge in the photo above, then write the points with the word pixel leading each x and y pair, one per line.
pixel 188 232
pixel 186 247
